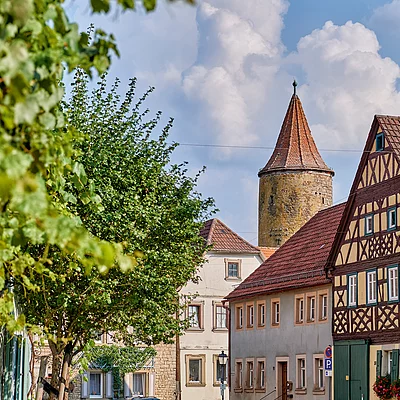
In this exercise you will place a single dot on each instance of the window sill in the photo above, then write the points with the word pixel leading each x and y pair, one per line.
pixel 301 391
pixel 220 330
pixel 250 327
pixel 260 390
pixel 188 384
pixel 217 384
pixel 232 278
pixel 238 390
pixel 318 391
pixel 274 325
pixel 195 330
pixel 249 390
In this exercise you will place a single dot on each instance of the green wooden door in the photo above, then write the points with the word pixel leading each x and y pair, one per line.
pixel 351 366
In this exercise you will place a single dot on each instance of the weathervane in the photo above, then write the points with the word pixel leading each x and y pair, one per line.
pixel 294 86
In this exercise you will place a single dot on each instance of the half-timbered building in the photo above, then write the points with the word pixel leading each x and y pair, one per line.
pixel 364 263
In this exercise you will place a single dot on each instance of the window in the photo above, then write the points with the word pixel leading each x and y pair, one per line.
pixel 195 374
pixel 380 141
pixel 275 312
pixel 393 283
pixel 371 287
pixel 95 384
pixel 311 308
pixel 238 375
pixel 239 317
pixel 323 306
pixel 392 218
pixel 352 290
pixel 301 372
pixel 261 314
pixel 220 317
pixel 319 384
pixel 194 315
pixel 260 381
pixel 369 224
pixel 249 374
pixel 219 371
pixel 250 315
pixel 299 309
pixel 232 269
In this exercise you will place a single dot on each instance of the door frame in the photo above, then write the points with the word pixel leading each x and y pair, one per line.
pixel 278 373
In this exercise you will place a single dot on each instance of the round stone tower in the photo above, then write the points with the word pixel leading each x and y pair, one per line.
pixel 295 183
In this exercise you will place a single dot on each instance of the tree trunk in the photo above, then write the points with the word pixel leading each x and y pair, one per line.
pixel 56 367
pixel 65 370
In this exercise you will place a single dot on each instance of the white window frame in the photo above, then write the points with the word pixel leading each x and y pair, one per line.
pixel 393 282
pixel 323 306
pixel 275 312
pixel 371 287
pixel 319 377
pixel 369 224
pixel 249 373
pixel 220 317
pixel 250 315
pixel 194 323
pixel 261 314
pixel 96 396
pixel 352 290
pixel 239 374
pixel 260 379
pixel 392 212
pixel 301 372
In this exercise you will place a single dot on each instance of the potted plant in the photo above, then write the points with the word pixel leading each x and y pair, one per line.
pixel 383 388
pixel 396 389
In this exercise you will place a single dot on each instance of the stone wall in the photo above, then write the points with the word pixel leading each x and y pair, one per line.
pixel 287 200
pixel 165 372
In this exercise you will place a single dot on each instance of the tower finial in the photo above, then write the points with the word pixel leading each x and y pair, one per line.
pixel 294 86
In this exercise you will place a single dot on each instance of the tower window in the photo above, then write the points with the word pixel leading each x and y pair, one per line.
pixel 380 142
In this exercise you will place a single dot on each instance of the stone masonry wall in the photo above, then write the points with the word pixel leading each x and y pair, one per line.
pixel 165 372
pixel 287 200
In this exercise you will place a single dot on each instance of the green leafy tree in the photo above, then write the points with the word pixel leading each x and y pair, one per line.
pixel 37 44
pixel 147 203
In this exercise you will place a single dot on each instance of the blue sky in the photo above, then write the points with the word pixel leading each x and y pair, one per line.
pixel 224 70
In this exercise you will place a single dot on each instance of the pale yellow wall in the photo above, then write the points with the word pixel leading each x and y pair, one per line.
pixel 361 288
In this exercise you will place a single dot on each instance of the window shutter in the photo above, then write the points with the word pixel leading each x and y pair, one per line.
pixel 127 379
pixel 379 363
pixel 109 385
pixel 394 373
pixel 85 386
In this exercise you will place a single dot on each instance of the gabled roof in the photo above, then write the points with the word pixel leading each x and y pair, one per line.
pixel 223 239
pixel 391 126
pixel 299 262
pixel 295 148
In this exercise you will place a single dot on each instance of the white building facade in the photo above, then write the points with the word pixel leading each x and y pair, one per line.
pixel 229 262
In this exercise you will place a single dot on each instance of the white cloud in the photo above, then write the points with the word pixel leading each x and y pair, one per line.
pixel 347 83
pixel 387 17
pixel 238 53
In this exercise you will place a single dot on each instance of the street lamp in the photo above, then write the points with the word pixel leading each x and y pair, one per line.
pixel 222 359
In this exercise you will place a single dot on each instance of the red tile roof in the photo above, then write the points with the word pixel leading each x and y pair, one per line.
pixel 295 148
pixel 268 251
pixel 223 239
pixel 391 126
pixel 299 262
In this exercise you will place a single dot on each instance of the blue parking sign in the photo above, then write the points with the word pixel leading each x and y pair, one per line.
pixel 328 364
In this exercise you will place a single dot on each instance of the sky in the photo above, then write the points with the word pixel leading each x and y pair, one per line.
pixel 224 70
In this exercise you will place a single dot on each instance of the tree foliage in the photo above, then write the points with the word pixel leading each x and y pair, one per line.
pixel 37 43
pixel 147 203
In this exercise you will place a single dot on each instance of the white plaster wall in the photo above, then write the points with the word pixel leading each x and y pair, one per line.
pixel 285 341
pixel 212 287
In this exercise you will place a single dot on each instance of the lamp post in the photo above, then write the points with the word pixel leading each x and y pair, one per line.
pixel 222 359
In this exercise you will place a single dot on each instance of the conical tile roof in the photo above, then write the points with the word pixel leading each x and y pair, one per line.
pixel 295 148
